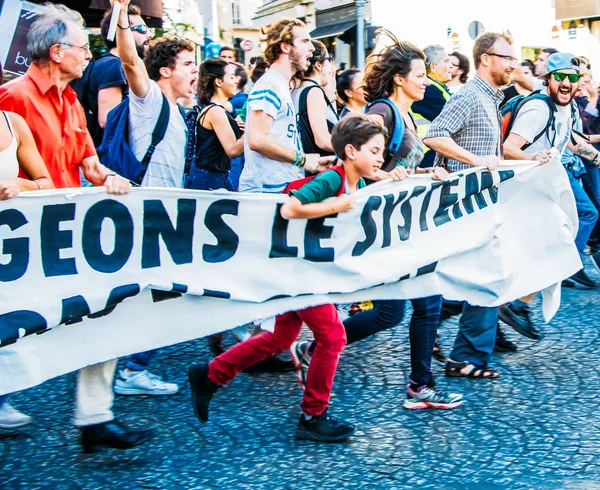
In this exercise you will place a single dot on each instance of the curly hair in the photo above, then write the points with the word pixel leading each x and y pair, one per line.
pixel 162 53
pixel 381 68
pixel 273 35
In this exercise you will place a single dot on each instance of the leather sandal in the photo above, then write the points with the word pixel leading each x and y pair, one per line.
pixel 454 370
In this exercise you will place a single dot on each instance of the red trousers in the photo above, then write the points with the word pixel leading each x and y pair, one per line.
pixel 329 333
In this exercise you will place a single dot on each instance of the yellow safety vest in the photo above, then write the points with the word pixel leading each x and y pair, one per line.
pixel 422 122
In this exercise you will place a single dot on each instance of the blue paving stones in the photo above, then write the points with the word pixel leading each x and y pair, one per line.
pixel 537 427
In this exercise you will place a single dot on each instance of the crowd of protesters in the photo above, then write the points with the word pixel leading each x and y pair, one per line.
pixel 268 129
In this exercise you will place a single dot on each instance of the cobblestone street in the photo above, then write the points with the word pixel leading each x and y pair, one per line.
pixel 538 426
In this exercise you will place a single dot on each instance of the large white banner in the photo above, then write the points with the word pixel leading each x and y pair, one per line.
pixel 89 277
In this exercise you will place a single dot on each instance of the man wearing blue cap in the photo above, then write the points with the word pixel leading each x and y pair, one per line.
pixel 539 126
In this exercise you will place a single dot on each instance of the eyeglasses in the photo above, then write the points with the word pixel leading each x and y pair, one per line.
pixel 560 76
pixel 141 28
pixel 84 48
pixel 327 58
pixel 504 56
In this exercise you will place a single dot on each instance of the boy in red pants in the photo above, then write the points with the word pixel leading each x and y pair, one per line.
pixel 359 143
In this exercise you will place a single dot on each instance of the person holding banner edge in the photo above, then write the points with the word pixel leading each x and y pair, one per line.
pixel 60 53
pixel 18 153
pixel 394 80
pixel 466 134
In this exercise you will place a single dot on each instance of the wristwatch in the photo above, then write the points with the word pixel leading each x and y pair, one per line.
pixel 596 160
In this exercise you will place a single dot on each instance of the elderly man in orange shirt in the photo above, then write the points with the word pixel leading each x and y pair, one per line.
pixel 60 52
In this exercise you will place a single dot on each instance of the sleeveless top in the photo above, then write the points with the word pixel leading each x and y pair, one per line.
pixel 210 154
pixel 9 165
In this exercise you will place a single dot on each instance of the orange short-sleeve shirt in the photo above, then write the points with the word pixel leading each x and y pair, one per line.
pixel 59 129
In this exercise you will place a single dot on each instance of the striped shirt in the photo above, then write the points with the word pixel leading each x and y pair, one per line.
pixel 168 160
pixel 472 119
pixel 271 94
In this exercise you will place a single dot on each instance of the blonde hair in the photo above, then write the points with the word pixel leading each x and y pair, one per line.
pixel 273 35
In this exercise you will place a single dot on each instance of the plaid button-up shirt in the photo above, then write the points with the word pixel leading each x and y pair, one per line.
pixel 472 119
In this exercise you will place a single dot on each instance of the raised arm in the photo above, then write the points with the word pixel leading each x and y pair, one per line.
pixel 135 70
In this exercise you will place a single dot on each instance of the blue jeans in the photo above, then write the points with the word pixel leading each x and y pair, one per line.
pixel 586 211
pixel 591 184
pixel 237 165
pixel 476 335
pixel 140 361
pixel 422 332
pixel 207 180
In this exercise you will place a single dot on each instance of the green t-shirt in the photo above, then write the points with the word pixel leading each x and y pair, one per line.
pixel 323 186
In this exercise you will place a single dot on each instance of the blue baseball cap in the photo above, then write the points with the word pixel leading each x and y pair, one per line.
pixel 561 61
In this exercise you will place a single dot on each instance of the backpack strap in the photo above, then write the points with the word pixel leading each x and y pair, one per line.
pixel 395 140
pixel 157 136
pixel 551 120
pixel 304 95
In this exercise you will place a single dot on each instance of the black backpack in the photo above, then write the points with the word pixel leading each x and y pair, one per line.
pixel 306 134
pixel 510 110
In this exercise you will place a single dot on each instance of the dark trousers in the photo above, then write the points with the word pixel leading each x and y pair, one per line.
pixel 476 336
pixel 422 331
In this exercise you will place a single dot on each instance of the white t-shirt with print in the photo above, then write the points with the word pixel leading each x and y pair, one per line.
pixel 532 119
pixel 271 94
pixel 168 160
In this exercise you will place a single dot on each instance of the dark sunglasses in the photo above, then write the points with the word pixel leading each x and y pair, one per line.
pixel 327 58
pixel 573 77
pixel 141 28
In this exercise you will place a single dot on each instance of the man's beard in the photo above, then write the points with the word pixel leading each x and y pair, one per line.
pixel 502 79
pixel 298 64
pixel 554 97
pixel 141 50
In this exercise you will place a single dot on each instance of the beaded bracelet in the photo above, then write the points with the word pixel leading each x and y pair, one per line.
pixel 300 159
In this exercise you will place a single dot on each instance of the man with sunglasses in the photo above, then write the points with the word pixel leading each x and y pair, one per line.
pixel 103 84
pixel 562 83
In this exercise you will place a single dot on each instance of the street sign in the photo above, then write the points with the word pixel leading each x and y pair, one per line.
pixel 247 45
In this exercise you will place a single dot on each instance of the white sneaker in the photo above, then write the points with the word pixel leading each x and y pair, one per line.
pixel 143 383
pixel 11 418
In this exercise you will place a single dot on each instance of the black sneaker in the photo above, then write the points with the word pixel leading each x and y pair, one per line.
pixel 580 277
pixel 520 321
pixel 323 428
pixel 503 344
pixel 202 388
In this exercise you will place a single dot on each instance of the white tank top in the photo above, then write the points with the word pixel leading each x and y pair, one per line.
pixel 9 165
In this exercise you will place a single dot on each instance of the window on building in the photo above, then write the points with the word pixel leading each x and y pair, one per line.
pixel 236 13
